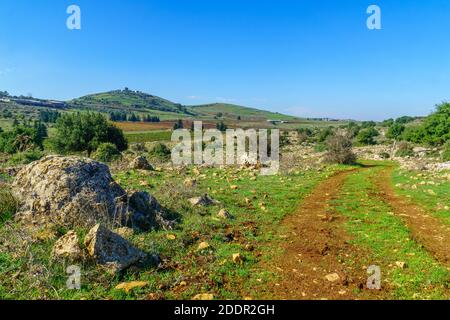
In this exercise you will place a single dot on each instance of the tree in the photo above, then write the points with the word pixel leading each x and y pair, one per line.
pixel 178 125
pixel 366 136
pixel 221 126
pixel 85 132
pixel 436 127
pixel 395 131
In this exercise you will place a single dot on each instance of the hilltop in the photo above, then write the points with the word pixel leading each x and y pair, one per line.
pixel 128 101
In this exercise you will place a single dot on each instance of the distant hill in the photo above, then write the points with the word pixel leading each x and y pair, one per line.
pixel 138 102
pixel 231 111
pixel 129 101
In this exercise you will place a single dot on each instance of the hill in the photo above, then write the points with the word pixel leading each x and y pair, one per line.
pixel 231 111
pixel 128 101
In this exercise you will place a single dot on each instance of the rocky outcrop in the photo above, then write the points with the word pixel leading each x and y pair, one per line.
pixel 111 250
pixel 140 163
pixel 67 247
pixel 74 191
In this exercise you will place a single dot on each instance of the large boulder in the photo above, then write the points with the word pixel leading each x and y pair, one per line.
pixel 79 192
pixel 111 250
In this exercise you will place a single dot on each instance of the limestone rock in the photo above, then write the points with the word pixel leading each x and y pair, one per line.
pixel 80 192
pixel 140 163
pixel 67 247
pixel 190 183
pixel 203 296
pixel 224 214
pixel 203 201
pixel 333 277
pixel 110 249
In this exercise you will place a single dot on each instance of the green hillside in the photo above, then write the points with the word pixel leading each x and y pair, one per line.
pixel 231 111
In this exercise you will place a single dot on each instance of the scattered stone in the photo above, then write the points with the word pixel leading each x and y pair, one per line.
pixel 111 250
pixel 171 237
pixel 234 187
pixel 333 277
pixel 128 286
pixel 203 201
pixel 140 163
pixel 224 214
pixel 401 264
pixel 190 183
pixel 204 296
pixel 203 245
pixel 67 247
pixel 237 258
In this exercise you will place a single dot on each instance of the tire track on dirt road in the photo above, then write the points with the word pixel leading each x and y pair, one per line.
pixel 426 229
pixel 317 262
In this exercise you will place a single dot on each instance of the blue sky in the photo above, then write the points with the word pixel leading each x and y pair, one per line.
pixel 303 57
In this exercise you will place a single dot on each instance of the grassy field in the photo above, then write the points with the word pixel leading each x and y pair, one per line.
pixel 257 205
pixel 149 136
pixel 430 190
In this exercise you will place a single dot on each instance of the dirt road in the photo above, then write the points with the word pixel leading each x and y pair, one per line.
pixel 319 262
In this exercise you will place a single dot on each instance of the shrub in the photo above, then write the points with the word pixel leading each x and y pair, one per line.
pixel 324 134
pixel 107 152
pixel 366 136
pixel 404 149
pixel 160 151
pixel 23 138
pixel 434 131
pixel 139 147
pixel 446 153
pixel 339 150
pixel 8 205
pixel 395 131
pixel 85 132
pixel 26 157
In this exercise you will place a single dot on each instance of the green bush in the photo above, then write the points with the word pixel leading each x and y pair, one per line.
pixel 160 151
pixel 107 152
pixel 434 131
pixel 367 136
pixel 85 131
pixel 26 157
pixel 404 149
pixel 395 131
pixel 8 205
pixel 446 153
pixel 23 138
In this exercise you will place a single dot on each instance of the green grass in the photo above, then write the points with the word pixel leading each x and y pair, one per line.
pixel 374 227
pixel 430 190
pixel 149 136
pixel 210 271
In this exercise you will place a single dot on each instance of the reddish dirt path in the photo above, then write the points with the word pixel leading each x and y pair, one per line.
pixel 317 245
pixel 426 229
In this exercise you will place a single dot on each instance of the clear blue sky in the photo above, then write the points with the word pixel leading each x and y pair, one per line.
pixel 308 58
